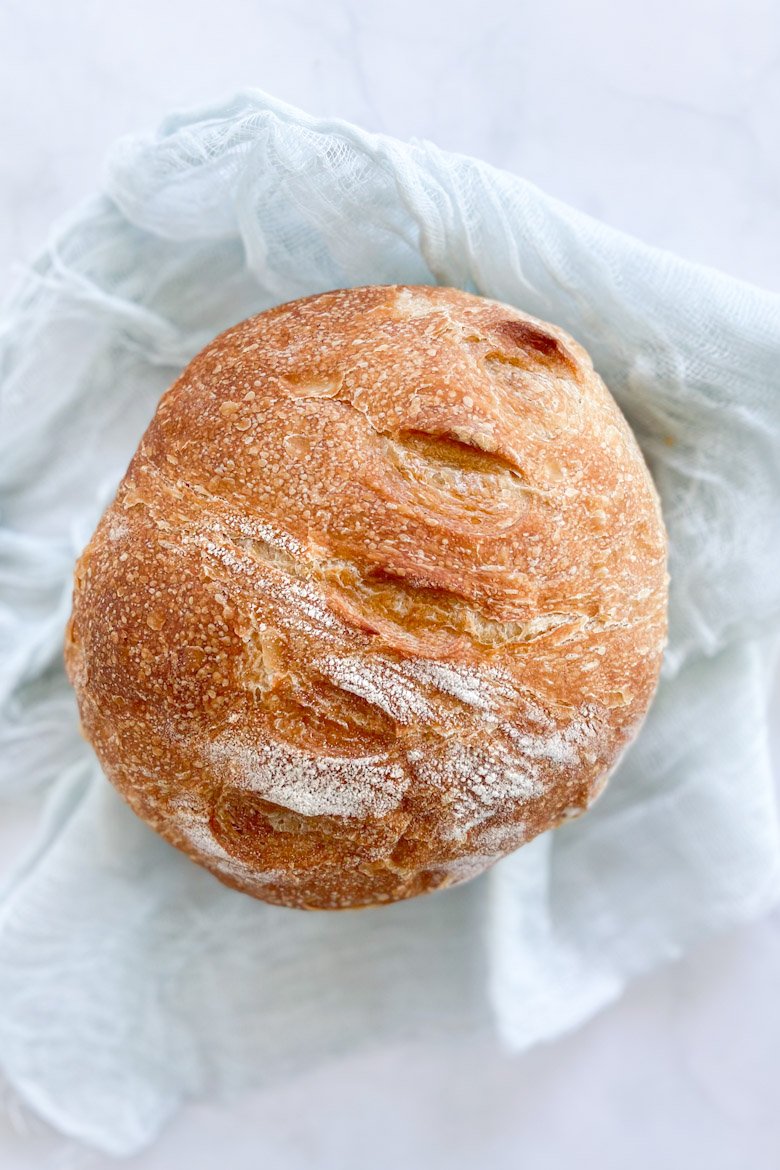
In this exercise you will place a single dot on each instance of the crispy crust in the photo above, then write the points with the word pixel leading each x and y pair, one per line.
pixel 381 596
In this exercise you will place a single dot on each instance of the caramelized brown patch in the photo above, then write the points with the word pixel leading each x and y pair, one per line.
pixel 527 336
pixel 461 450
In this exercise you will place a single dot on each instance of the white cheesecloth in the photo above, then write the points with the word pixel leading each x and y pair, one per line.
pixel 130 979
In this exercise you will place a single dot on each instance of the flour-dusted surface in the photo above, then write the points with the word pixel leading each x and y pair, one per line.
pixel 381 597
pixel 314 786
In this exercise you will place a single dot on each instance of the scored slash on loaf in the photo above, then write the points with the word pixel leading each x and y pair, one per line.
pixel 382 595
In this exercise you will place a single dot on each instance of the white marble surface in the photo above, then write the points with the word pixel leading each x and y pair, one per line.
pixel 661 119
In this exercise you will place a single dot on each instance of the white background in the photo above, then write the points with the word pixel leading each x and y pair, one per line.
pixel 661 118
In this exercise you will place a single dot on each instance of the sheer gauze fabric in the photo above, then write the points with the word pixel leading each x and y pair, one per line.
pixel 130 980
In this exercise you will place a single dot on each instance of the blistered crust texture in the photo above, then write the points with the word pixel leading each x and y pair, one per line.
pixel 381 596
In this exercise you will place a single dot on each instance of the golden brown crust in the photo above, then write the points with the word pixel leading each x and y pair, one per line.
pixel 381 596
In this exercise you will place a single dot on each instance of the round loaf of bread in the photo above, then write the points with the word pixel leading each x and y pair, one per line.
pixel 381 596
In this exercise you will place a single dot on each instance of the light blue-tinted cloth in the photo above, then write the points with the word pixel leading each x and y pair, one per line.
pixel 131 980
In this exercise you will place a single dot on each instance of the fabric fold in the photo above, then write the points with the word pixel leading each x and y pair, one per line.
pixel 130 980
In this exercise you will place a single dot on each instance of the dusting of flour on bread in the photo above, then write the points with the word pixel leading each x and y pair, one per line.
pixel 314 786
